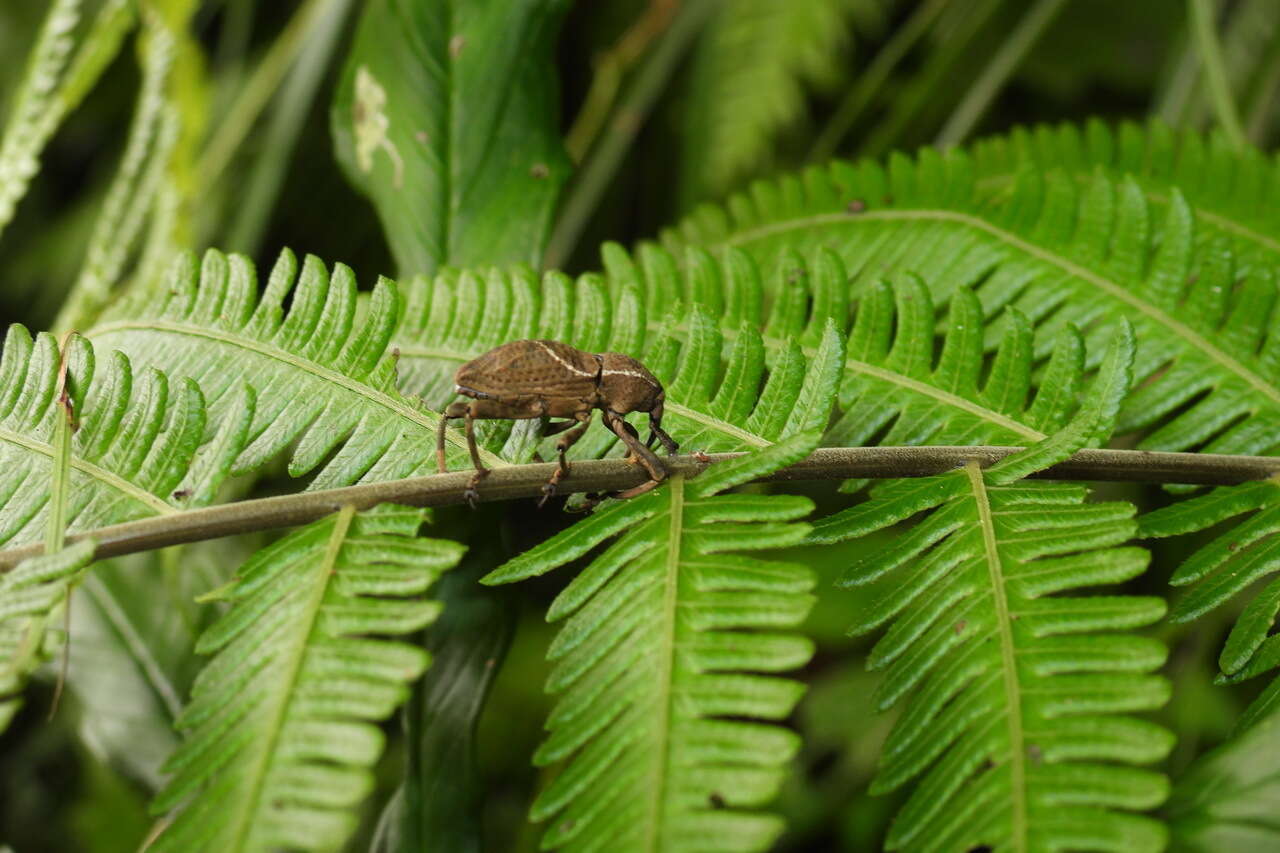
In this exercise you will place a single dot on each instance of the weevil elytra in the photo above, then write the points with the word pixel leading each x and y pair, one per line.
pixel 548 379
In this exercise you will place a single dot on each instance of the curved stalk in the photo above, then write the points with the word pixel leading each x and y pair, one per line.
pixel 526 481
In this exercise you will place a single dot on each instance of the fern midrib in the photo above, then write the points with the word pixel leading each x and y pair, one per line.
pixel 1201 213
pixel 290 672
pixel 1013 693
pixel 666 664
pixel 101 474
pixel 306 365
pixel 1111 288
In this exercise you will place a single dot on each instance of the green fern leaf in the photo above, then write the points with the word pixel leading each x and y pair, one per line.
pixel 1232 562
pixel 660 664
pixel 892 389
pixel 715 401
pixel 1060 253
pixel 140 449
pixel 28 595
pixel 748 79
pixel 280 730
pixel 54 83
pixel 1012 690
pixel 1229 189
pixel 325 383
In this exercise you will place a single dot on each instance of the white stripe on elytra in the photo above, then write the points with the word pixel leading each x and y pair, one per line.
pixel 609 371
pixel 567 365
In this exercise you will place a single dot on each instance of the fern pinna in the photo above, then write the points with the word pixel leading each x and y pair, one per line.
pixel 140 449
pixel 660 664
pixel 1059 251
pixel 29 594
pixel 1012 691
pixel 281 730
pixel 1229 188
pixel 1242 555
pixel 325 383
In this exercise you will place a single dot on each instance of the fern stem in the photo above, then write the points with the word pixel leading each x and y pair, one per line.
pixel 1215 73
pixel 60 469
pixel 654 838
pixel 602 161
pixel 978 98
pixel 289 673
pixel 1008 655
pixel 280 136
pixel 609 69
pixel 526 481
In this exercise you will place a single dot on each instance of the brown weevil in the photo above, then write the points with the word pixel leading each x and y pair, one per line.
pixel 548 379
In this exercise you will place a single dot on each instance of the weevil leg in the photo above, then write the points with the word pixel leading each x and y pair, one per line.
pixel 656 431
pixel 472 496
pixel 454 410
pixel 634 491
pixel 641 454
pixel 569 439
pixel 556 429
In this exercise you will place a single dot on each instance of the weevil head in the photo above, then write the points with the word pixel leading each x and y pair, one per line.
pixel 626 385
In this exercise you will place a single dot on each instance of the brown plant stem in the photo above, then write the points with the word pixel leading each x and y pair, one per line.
pixel 526 481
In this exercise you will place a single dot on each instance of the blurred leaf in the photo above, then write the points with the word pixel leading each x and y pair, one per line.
pixel 1230 798
pixel 292 105
pixel 134 622
pixel 751 73
pixel 281 731
pixel 446 119
pixel 54 84
pixel 440 804
pixel 30 595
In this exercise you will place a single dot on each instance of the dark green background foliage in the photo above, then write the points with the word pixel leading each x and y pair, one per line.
pixel 252 242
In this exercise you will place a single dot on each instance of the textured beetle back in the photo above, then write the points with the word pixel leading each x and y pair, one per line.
pixel 531 367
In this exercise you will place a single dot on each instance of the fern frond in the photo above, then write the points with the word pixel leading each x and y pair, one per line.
pixel 29 127
pixel 1229 189
pixel 55 83
pixel 1058 252
pixel 749 74
pixel 280 731
pixel 153 133
pixel 892 388
pixel 139 451
pixel 28 595
pixel 1244 554
pixel 717 395
pixel 324 381
pixel 1012 693
pixel 661 663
